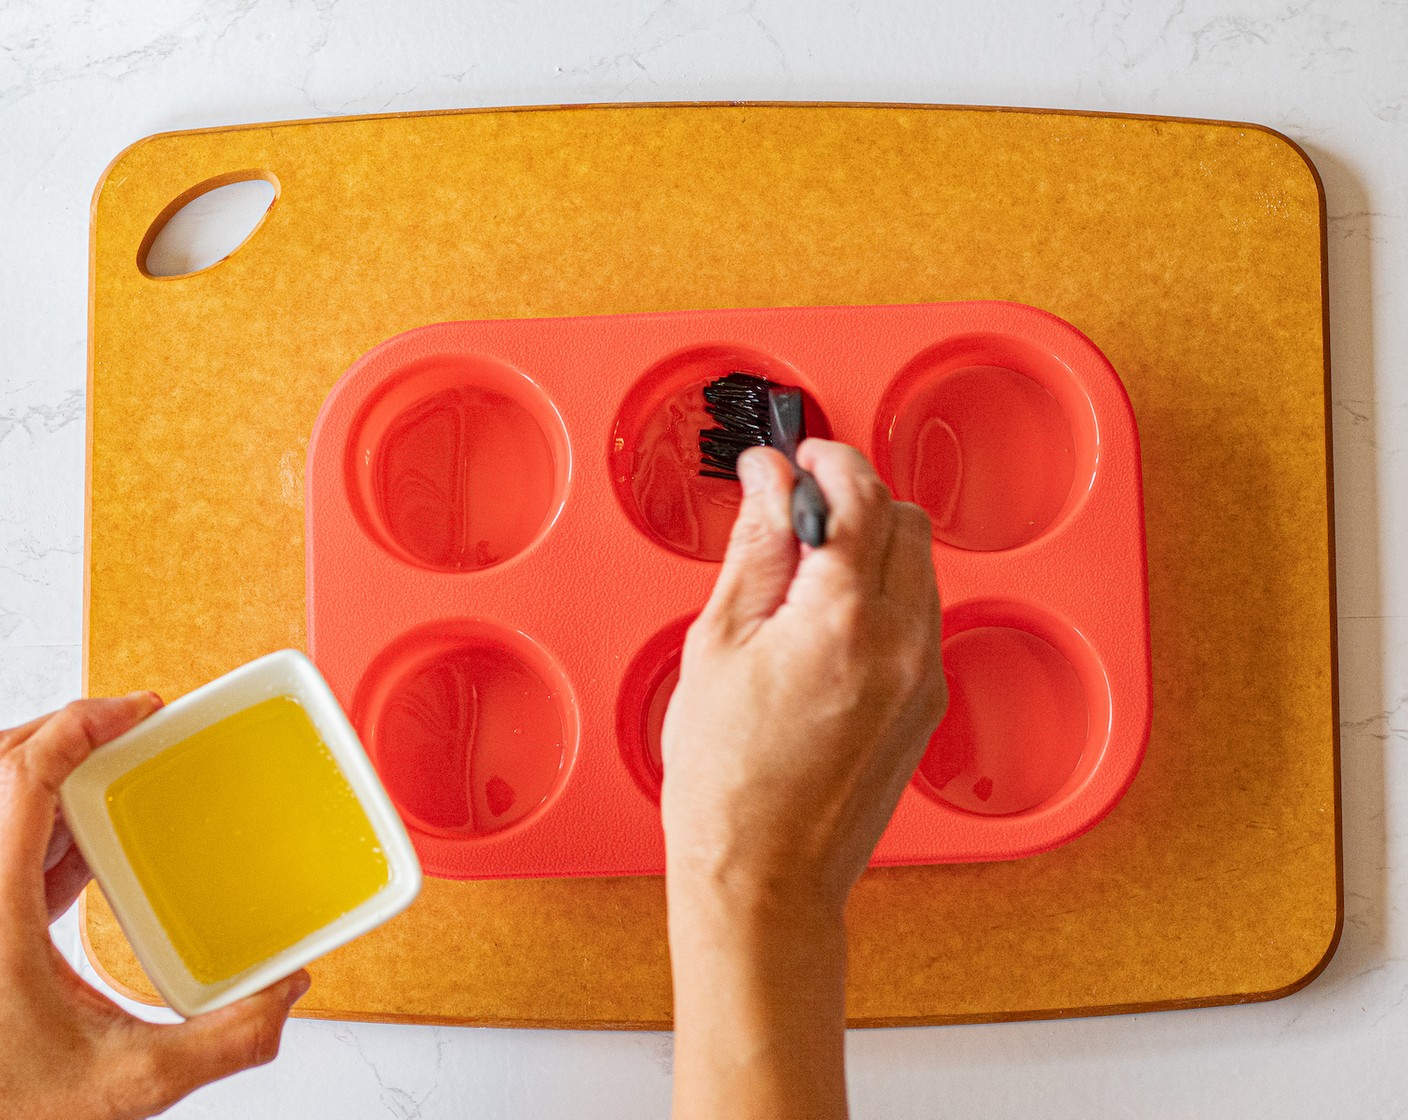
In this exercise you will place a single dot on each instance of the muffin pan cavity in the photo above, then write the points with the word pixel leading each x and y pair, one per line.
pixel 459 464
pixel 655 447
pixel 640 711
pixel 1028 711
pixel 994 437
pixel 471 727
pixel 508 538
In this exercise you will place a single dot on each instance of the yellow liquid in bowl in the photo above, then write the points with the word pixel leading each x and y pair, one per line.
pixel 246 838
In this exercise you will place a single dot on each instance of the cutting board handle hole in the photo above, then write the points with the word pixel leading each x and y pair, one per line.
pixel 206 224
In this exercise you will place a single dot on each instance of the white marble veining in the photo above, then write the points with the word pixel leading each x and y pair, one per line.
pixel 80 79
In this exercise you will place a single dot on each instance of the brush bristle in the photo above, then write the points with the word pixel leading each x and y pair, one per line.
pixel 738 403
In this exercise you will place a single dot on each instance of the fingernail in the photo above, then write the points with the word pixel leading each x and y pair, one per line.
pixel 751 473
pixel 146 694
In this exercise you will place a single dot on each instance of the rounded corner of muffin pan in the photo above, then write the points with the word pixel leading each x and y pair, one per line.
pixel 1005 430
pixel 451 458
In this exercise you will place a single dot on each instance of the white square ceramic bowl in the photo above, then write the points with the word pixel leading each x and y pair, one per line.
pixel 83 797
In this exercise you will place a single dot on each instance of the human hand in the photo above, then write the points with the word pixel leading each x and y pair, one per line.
pixel 68 1052
pixel 809 687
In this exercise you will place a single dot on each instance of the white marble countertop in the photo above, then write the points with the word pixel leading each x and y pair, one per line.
pixel 80 79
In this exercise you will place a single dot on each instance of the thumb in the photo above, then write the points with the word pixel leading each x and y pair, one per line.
pixel 762 551
pixel 218 1043
pixel 31 772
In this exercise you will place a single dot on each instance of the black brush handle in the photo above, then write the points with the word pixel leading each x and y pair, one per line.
pixel 809 509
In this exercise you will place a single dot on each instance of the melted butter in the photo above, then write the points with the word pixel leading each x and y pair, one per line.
pixel 246 838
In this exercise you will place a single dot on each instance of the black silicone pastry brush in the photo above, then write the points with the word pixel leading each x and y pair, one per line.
pixel 753 412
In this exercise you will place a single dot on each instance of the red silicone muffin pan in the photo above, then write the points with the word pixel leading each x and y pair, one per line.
pixel 507 537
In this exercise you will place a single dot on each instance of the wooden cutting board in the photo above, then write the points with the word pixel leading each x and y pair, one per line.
pixel 1192 253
